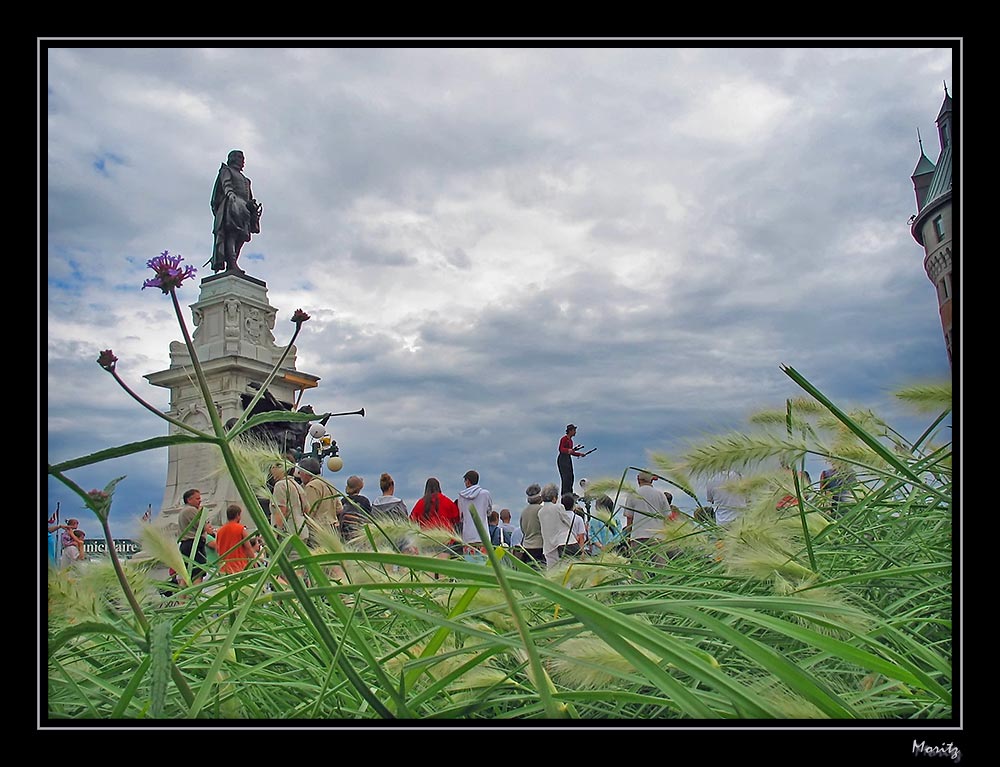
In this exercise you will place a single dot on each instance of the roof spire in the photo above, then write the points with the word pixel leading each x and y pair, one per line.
pixel 920 141
pixel 945 87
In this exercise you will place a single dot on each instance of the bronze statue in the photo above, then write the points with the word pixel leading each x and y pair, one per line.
pixel 237 213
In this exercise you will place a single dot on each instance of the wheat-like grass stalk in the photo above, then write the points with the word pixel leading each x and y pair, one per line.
pixel 487 604
pixel 927 397
pixel 855 620
pixel 607 486
pixel 741 451
pixel 756 547
pixel 443 664
pixel 432 540
pixel 162 547
pixel 684 533
pixel 675 470
pixel 324 538
pixel 802 409
pixel 870 422
pixel 255 455
pixel 788 704
pixel 587 572
pixel 387 533
pixel 73 598
pixel 588 662
pixel 100 577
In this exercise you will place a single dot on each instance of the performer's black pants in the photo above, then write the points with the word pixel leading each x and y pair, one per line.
pixel 565 464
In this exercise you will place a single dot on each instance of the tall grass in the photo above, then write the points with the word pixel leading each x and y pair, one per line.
pixel 792 613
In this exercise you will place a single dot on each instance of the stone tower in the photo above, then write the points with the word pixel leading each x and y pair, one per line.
pixel 931 226
pixel 233 340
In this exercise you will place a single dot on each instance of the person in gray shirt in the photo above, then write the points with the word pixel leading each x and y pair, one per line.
pixel 531 529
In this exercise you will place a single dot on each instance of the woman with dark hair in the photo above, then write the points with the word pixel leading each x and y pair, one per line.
pixel 435 509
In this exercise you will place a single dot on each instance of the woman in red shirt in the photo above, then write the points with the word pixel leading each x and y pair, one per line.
pixel 435 509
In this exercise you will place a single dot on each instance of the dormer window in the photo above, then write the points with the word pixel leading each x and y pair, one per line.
pixel 939 228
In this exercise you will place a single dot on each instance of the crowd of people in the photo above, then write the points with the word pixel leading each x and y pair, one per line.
pixel 553 525
pixel 556 522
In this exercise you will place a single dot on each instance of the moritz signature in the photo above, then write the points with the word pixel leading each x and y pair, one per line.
pixel 945 749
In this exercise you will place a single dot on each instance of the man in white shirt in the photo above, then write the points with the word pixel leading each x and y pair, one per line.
pixel 646 511
pixel 728 505
pixel 557 525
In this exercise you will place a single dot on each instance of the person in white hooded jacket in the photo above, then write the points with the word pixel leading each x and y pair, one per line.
pixel 473 495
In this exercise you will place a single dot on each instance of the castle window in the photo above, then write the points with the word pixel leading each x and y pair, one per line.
pixel 939 228
pixel 944 289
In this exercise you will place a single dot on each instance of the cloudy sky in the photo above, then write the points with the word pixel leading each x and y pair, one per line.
pixel 493 242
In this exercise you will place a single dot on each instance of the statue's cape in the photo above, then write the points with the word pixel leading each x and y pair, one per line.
pixel 217 189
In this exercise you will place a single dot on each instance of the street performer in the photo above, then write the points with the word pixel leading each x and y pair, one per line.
pixel 567 450
pixel 237 213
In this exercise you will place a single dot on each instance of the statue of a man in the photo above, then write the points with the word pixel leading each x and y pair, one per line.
pixel 237 213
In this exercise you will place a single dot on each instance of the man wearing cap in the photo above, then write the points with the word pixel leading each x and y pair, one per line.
pixel 473 495
pixel 288 509
pixel 324 505
pixel 531 528
pixel 646 511
pixel 567 449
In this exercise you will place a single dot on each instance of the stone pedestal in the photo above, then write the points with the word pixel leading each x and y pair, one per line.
pixel 233 321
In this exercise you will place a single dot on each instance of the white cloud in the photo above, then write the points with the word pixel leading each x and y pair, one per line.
pixel 738 111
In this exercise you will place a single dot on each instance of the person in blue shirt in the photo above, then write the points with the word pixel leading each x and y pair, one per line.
pixel 493 524
pixel 605 528
pixel 506 528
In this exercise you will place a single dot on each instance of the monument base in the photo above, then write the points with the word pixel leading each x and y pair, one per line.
pixel 233 321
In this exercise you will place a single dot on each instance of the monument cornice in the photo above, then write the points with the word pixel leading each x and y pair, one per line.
pixel 229 364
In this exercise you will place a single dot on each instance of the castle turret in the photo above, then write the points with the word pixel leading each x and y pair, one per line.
pixel 931 226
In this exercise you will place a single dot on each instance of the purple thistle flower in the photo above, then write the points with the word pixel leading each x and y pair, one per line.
pixel 299 317
pixel 169 273
pixel 107 360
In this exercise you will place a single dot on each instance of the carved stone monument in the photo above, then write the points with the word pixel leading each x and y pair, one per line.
pixel 233 322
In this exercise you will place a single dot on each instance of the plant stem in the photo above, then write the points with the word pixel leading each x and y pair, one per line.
pixel 151 409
